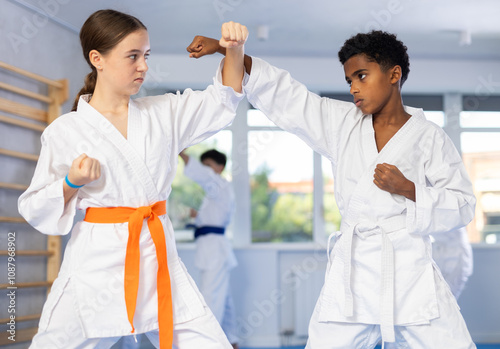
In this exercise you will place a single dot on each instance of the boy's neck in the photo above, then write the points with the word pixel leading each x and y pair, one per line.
pixel 392 113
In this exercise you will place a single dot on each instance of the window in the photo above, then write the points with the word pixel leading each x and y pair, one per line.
pixel 281 184
pixel 485 119
pixel 480 133
pixel 330 210
pixel 289 201
pixel 481 155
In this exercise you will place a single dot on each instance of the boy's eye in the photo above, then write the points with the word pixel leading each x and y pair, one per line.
pixel 146 57
pixel 362 76
pixel 349 82
pixel 132 57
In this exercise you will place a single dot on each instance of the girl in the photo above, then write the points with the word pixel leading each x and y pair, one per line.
pixel 121 273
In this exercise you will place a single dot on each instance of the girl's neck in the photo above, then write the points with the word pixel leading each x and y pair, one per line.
pixel 108 102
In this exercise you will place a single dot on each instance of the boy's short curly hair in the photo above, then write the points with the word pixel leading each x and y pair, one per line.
pixel 379 46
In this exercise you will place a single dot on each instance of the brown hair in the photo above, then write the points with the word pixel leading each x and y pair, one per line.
pixel 102 31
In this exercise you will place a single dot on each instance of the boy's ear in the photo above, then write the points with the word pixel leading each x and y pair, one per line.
pixel 396 74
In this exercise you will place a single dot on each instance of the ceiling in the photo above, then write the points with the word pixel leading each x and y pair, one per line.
pixel 307 28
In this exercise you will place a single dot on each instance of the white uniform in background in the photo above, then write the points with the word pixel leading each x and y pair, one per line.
pixel 214 254
pixel 380 281
pixel 86 305
pixel 452 252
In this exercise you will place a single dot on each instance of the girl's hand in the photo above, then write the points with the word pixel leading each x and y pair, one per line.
pixel 84 170
pixel 233 35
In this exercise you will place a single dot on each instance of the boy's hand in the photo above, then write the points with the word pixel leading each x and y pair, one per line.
pixel 193 213
pixel 233 35
pixel 201 46
pixel 389 178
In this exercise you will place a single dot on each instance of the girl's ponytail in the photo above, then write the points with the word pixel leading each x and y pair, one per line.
pixel 88 88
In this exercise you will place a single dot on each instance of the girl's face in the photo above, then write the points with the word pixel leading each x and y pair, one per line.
pixel 124 68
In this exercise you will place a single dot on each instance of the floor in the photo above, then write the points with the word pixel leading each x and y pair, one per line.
pixel 146 345
pixel 479 346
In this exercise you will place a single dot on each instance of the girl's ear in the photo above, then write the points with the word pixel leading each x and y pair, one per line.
pixel 96 59
pixel 395 74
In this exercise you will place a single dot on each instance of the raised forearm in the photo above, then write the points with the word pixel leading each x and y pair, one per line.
pixel 247 60
pixel 232 72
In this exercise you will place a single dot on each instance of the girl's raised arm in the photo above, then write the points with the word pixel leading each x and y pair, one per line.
pixel 233 40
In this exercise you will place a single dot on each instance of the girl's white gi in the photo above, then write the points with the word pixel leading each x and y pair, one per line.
pixel 214 255
pixel 135 172
pixel 380 270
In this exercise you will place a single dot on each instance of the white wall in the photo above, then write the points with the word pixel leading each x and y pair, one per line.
pixel 327 75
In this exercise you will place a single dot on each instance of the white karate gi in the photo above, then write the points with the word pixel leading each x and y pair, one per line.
pixel 380 276
pixel 214 255
pixel 452 252
pixel 135 172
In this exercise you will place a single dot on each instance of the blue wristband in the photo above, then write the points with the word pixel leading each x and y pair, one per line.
pixel 71 184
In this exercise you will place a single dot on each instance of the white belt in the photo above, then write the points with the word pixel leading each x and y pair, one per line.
pixel 363 230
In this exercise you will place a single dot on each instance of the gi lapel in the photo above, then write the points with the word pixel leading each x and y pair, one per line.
pixel 394 148
pixel 130 150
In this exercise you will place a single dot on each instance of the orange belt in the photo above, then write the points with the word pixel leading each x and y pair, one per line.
pixel 135 218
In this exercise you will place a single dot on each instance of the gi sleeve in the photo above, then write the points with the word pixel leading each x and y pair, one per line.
pixel 210 181
pixel 446 202
pixel 42 204
pixel 192 116
pixel 317 120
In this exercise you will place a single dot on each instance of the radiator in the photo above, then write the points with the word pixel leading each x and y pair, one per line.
pixel 305 297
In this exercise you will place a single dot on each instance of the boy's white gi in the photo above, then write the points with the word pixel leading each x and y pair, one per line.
pixel 135 172
pixel 214 255
pixel 380 272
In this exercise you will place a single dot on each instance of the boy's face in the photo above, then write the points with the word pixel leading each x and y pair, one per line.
pixel 218 168
pixel 370 86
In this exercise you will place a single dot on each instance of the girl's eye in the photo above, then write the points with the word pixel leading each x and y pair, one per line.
pixel 132 57
pixel 349 82
pixel 362 76
pixel 146 57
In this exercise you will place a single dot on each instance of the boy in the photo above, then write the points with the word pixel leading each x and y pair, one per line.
pixel 398 178
pixel 214 254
